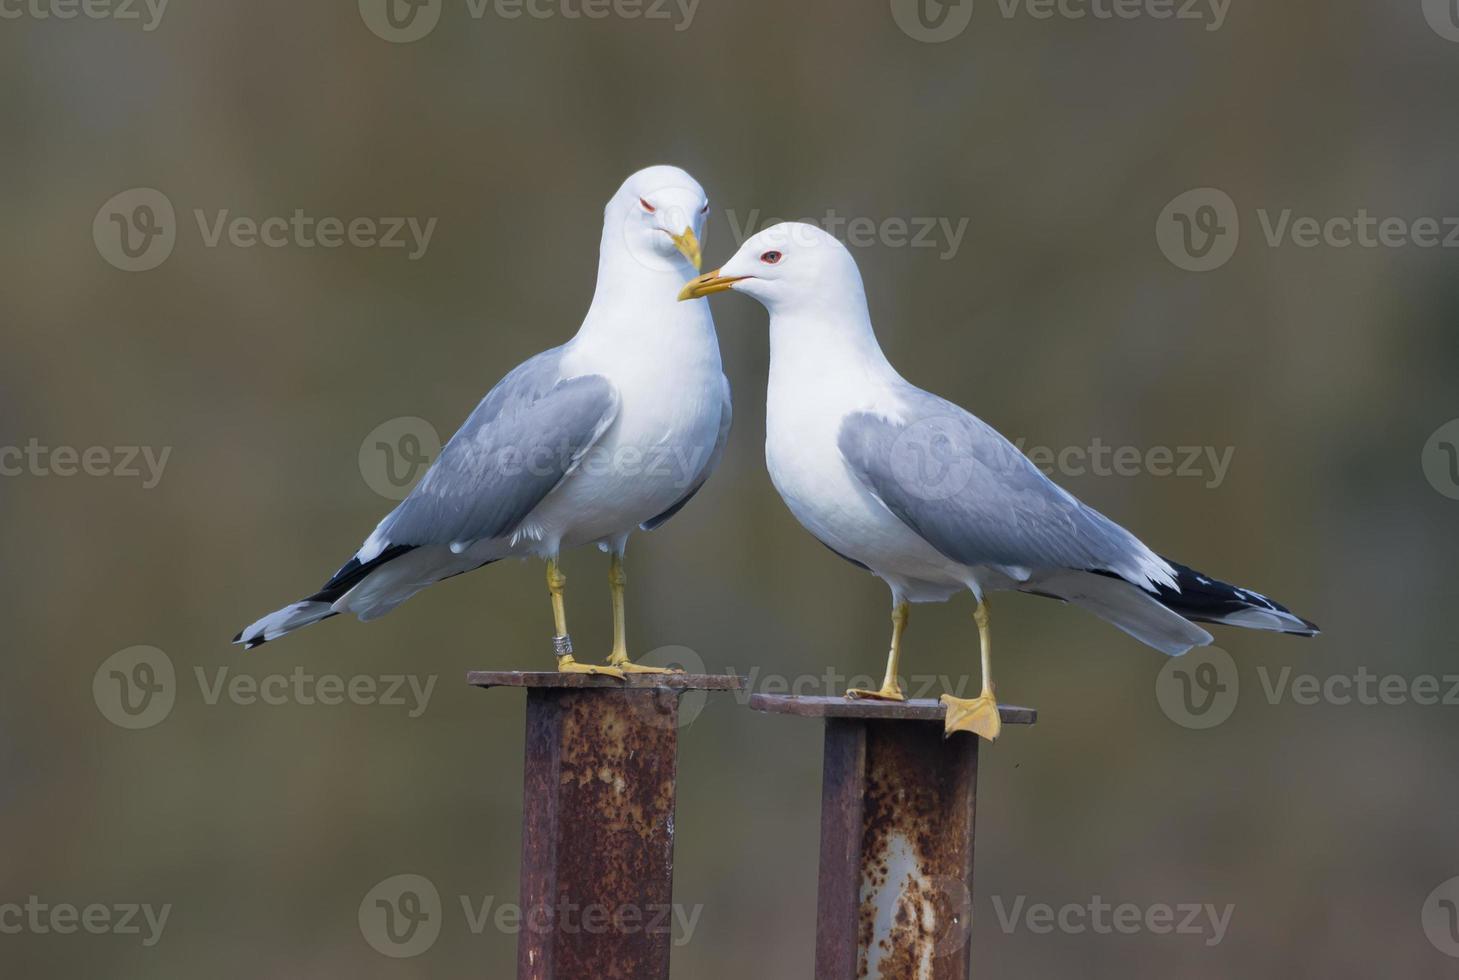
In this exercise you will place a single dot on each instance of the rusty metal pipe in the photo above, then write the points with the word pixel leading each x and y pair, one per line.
pixel 598 822
pixel 897 828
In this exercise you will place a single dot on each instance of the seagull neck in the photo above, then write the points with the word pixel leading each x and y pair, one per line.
pixel 828 343
pixel 636 307
pixel 647 283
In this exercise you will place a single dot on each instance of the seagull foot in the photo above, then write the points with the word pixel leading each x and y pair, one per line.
pixel 567 665
pixel 888 692
pixel 978 715
pixel 620 662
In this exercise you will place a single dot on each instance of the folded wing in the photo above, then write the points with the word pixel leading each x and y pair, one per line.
pixel 524 438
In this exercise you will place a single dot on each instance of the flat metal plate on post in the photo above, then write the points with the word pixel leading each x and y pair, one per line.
pixel 898 802
pixel 598 821
pixel 870 708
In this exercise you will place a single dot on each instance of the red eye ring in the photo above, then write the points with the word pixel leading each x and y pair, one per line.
pixel 771 258
pixel 647 206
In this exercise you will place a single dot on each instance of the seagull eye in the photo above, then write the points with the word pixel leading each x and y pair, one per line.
pixel 705 209
pixel 647 206
pixel 771 258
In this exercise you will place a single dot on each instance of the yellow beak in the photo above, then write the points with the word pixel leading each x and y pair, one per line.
pixel 708 284
pixel 689 246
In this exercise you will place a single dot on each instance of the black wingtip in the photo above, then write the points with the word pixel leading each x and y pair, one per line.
pixel 238 637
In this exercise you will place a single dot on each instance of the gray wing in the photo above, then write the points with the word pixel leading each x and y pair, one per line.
pixel 976 498
pixel 726 419
pixel 519 443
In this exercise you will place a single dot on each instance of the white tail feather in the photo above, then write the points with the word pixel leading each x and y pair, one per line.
pixel 1121 604
pixel 284 621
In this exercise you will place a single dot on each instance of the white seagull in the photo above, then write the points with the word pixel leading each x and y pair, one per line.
pixel 931 499
pixel 582 444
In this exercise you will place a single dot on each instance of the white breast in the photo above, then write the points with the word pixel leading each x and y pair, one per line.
pixel 803 421
pixel 670 385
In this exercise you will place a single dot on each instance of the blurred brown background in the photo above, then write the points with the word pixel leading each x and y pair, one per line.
pixel 1325 369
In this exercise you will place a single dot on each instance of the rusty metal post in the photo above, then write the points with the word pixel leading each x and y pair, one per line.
pixel 897 807
pixel 598 821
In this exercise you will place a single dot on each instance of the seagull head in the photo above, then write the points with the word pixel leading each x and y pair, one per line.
pixel 659 214
pixel 788 267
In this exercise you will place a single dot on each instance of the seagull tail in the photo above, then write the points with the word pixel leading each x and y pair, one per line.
pixel 1202 599
pixel 320 605
pixel 284 621
pixel 1123 605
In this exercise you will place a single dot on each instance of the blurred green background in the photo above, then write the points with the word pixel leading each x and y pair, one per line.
pixel 1057 319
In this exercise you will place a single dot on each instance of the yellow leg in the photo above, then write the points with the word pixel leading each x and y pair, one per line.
pixel 562 642
pixel 980 714
pixel 618 659
pixel 891 690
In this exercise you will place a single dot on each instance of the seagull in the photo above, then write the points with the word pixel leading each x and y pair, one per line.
pixel 580 445
pixel 928 497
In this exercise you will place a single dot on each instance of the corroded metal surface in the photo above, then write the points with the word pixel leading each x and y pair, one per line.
pixel 841 707
pixel 598 821
pixel 598 833
pixel 916 853
pixel 896 852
